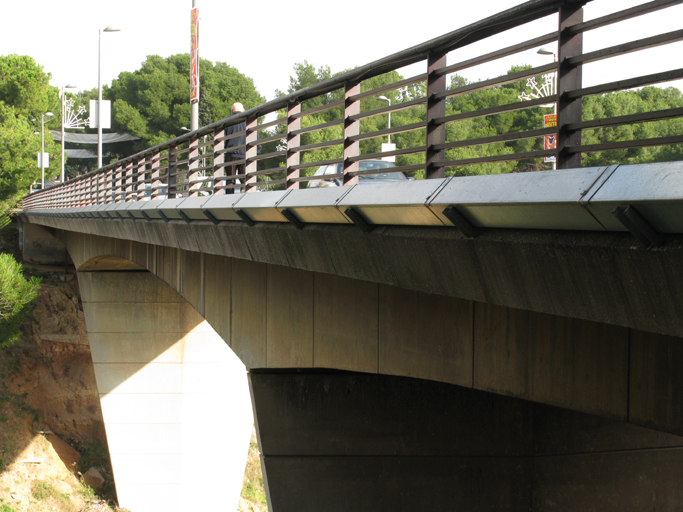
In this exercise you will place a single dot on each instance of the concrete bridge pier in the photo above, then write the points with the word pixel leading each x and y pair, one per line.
pixel 342 441
pixel 174 397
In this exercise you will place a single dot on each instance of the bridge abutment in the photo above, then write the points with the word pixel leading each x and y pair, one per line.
pixel 340 441
pixel 174 397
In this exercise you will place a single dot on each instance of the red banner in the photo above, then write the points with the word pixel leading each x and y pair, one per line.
pixel 194 56
pixel 550 141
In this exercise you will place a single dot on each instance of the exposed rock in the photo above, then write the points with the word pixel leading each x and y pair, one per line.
pixel 66 453
pixel 93 478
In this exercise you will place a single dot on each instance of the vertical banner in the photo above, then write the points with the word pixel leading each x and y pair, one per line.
pixel 550 141
pixel 194 57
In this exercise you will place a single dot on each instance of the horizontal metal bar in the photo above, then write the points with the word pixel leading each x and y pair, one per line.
pixel 403 168
pixel 317 164
pixel 315 110
pixel 631 83
pixel 294 133
pixel 387 131
pixel 496 158
pixel 393 108
pixel 496 110
pixel 266 140
pixel 264 172
pixel 498 54
pixel 626 144
pixel 390 87
pixel 501 80
pixel 505 137
pixel 624 48
pixel 643 117
pixel 322 144
pixel 624 15
pixel 277 121
pixel 397 152
pixel 263 156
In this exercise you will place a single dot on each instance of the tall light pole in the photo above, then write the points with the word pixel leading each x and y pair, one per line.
pixel 194 67
pixel 99 95
pixel 67 86
pixel 42 147
pixel 545 51
pixel 384 98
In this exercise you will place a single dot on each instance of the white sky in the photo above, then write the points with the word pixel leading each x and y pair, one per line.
pixel 254 36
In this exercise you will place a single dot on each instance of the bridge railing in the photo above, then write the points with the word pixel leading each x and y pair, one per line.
pixel 330 123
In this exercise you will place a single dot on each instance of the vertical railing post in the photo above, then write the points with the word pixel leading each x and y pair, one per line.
pixel 143 170
pixel 192 173
pixel 172 177
pixel 250 153
pixel 351 128
pixel 436 107
pixel 156 175
pixel 293 157
pixel 120 181
pixel 568 78
pixel 131 167
pixel 218 159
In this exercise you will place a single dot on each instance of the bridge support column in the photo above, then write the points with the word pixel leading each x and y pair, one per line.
pixel 340 441
pixel 174 397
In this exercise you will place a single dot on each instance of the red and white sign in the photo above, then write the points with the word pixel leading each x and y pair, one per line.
pixel 550 141
pixel 194 56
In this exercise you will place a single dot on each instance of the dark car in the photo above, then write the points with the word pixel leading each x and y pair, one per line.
pixel 365 165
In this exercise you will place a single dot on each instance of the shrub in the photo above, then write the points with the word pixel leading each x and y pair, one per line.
pixel 17 296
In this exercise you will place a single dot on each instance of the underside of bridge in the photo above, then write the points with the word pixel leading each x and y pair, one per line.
pixel 371 396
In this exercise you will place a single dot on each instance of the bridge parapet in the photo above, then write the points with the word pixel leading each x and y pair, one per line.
pixel 199 163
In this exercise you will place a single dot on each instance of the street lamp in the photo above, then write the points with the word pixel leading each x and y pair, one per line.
pixel 67 86
pixel 384 98
pixel 42 146
pixel 545 51
pixel 99 95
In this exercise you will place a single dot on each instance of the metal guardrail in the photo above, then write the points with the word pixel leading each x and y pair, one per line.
pixel 197 163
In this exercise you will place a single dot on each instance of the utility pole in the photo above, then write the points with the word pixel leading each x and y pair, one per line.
pixel 194 68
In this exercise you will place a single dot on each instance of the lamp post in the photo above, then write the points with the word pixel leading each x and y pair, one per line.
pixel 384 98
pixel 42 147
pixel 67 86
pixel 99 95
pixel 545 51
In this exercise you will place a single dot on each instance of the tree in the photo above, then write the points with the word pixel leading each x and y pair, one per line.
pixel 25 95
pixel 153 102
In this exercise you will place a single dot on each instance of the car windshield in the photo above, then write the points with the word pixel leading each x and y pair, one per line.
pixel 368 165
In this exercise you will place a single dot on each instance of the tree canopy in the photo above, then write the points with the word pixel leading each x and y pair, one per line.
pixel 25 95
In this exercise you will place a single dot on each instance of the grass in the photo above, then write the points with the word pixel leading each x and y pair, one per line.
pixel 6 508
pixel 253 489
pixel 43 491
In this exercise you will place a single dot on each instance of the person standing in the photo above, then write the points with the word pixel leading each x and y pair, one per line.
pixel 238 142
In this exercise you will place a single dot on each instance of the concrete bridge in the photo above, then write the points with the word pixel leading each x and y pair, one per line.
pixel 534 366
pixel 486 343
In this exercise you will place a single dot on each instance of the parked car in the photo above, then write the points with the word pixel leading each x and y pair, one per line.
pixel 365 165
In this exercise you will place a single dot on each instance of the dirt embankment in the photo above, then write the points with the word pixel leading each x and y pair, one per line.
pixel 51 426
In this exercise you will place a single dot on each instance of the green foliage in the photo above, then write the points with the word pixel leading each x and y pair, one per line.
pixel 153 102
pixel 25 95
pixel 16 299
pixel 6 508
pixel 93 454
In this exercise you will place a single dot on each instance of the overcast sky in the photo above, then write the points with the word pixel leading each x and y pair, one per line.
pixel 264 40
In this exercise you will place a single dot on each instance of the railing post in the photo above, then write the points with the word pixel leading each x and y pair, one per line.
pixel 293 141
pixel 140 187
pixel 568 78
pixel 172 170
pixel 156 175
pixel 131 167
pixel 251 152
pixel 351 128
pixel 436 107
pixel 218 159
pixel 193 174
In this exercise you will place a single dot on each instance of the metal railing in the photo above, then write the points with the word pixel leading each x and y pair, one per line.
pixel 199 162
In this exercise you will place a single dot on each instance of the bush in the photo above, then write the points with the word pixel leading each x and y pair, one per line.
pixel 17 297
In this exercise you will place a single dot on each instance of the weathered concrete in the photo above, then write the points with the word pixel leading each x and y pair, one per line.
pixel 280 317
pixel 40 246
pixel 605 277
pixel 340 441
pixel 174 396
